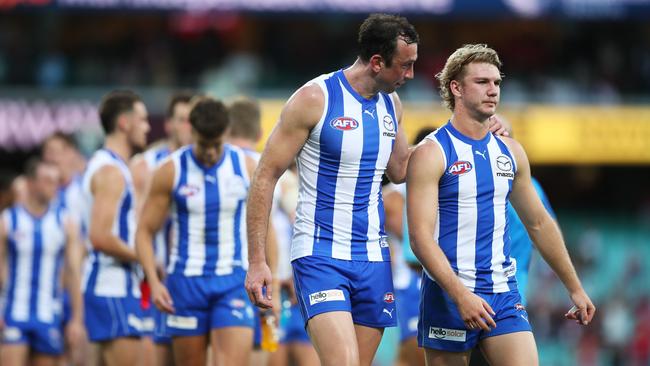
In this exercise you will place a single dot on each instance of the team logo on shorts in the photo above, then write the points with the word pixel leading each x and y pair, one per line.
pixel 237 303
pixel 519 307
pixel 460 167
pixel 327 295
pixel 455 335
pixel 344 123
pixel 389 298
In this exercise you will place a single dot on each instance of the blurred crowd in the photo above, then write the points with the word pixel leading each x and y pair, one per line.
pixel 550 61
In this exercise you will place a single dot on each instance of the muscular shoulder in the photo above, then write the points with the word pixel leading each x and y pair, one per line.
pixel 515 147
pixel 305 107
pixel 427 149
pixel 107 181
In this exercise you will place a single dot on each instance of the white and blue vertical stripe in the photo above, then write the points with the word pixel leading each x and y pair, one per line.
pixel 472 222
pixel 340 209
pixel 35 256
pixel 208 214
pixel 104 275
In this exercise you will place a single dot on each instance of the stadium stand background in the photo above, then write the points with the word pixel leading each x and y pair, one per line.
pixel 577 90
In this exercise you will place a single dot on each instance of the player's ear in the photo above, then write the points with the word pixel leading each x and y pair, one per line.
pixel 123 121
pixel 376 62
pixel 454 87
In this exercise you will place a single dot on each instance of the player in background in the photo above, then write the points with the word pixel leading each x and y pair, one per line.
pixel 246 132
pixel 458 184
pixel 406 269
pixel 205 185
pixel 38 252
pixel 156 341
pixel 111 284
pixel 294 347
pixel 61 150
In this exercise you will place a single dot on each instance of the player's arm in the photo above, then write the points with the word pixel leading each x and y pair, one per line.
pixel 75 331
pixel 107 187
pixel 425 169
pixel 301 113
pixel 545 233
pixel 396 169
pixel 155 212
pixel 141 175
pixel 271 252
pixel 394 209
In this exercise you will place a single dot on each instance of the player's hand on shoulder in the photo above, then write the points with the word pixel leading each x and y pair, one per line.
pixel 499 125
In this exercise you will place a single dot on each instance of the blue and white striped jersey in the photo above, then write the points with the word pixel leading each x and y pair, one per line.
pixel 72 198
pixel 340 210
pixel 208 214
pixel 35 255
pixel 473 196
pixel 154 158
pixel 105 275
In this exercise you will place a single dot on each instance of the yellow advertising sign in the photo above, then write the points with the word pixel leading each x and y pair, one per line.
pixel 550 134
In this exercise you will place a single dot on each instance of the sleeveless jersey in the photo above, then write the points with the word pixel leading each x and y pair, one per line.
pixel 209 214
pixel 472 222
pixel 340 210
pixel 35 255
pixel 105 275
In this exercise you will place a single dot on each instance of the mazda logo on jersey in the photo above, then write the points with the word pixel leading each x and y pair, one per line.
pixel 460 167
pixel 344 123
pixel 504 163
pixel 389 125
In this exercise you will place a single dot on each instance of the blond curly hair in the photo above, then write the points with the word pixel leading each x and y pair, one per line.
pixel 455 68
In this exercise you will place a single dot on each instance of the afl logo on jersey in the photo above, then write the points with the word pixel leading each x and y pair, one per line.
pixel 188 190
pixel 460 168
pixel 344 124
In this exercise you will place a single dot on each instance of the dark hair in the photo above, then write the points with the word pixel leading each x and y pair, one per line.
pixel 245 118
pixel 209 117
pixel 180 97
pixel 113 105
pixel 422 133
pixel 31 166
pixel 66 138
pixel 379 34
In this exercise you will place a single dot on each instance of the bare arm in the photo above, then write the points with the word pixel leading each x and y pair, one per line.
pixel 107 187
pixel 141 174
pixel 155 212
pixel 301 113
pixel 396 169
pixel 545 233
pixel 424 171
pixel 73 259
pixel 75 330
